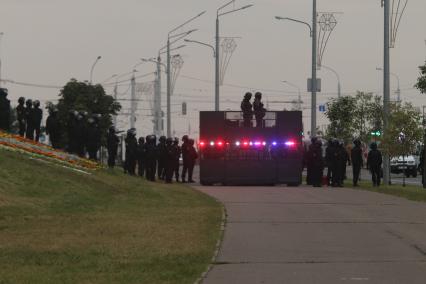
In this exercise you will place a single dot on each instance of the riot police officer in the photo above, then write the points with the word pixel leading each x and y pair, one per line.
pixel 308 160
pixel 316 163
pixel 259 110
pixel 80 135
pixel 131 151
pixel 93 138
pixel 357 161
pixel 343 159
pixel 141 156
pixel 185 156
pixel 192 157
pixel 20 113
pixel 161 158
pixel 247 109
pixel 374 163
pixel 29 133
pixel 4 110
pixel 53 128
pixel 37 116
pixel 178 152
pixel 151 157
pixel 170 158
pixel 112 145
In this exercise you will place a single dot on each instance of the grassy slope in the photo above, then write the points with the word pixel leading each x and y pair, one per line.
pixel 59 226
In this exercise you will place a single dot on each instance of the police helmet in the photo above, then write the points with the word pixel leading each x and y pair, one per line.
pixel 314 139
pixel 112 129
pixel 176 141
pixel 21 100
pixel 29 102
pixel 141 140
pixel 185 138
pixel 373 146
pixel 91 120
pixel 191 142
pixel 248 96
pixel 169 141
pixel 357 142
pixel 36 103
pixel 258 95
pixel 162 139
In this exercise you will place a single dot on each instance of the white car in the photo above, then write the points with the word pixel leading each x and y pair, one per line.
pixel 405 164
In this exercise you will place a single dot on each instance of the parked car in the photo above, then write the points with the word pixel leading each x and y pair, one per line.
pixel 405 164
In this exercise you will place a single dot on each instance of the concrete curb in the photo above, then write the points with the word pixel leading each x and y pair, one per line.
pixel 218 245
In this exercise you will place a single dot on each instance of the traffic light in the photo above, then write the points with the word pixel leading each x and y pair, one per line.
pixel 183 108
pixel 376 133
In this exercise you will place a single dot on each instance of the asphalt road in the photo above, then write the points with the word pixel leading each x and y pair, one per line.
pixel 306 235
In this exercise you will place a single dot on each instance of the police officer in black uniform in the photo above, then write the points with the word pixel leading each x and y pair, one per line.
pixel 80 135
pixel 29 132
pixel 329 160
pixel 247 109
pixel 192 157
pixel 20 113
pixel 308 161
pixel 185 156
pixel 259 110
pixel 53 128
pixel 357 161
pixel 343 159
pixel 374 163
pixel 131 151
pixel 178 152
pixel 141 156
pixel 93 142
pixel 37 116
pixel 316 163
pixel 112 146
pixel 161 157
pixel 4 110
pixel 151 157
pixel 170 158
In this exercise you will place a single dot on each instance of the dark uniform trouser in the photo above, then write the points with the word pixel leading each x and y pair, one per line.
pixel 29 134
pixel 141 167
pixel 356 169
pixel 131 164
pixel 191 166
pixel 169 170
pixel 37 131
pixel 161 172
pixel 21 129
pixel 176 169
pixel 150 169
pixel 375 175
pixel 111 158
pixel 184 169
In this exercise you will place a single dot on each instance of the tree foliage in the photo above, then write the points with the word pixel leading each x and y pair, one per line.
pixel 404 120
pixel 341 113
pixel 84 97
pixel 421 81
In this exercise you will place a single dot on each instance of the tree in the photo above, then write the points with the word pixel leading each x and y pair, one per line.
pixel 341 112
pixel 421 81
pixel 84 97
pixel 404 130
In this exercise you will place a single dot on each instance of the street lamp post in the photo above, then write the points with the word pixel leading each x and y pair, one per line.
pixel 299 100
pixel 169 80
pixel 386 84
pixel 93 67
pixel 217 49
pixel 314 87
pixel 339 88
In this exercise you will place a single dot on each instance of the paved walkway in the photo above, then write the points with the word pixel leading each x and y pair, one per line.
pixel 306 235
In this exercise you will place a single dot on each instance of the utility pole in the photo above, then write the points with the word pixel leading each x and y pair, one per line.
pixel 157 101
pixel 133 101
pixel 314 70
pixel 115 99
pixel 169 92
pixel 217 60
pixel 386 84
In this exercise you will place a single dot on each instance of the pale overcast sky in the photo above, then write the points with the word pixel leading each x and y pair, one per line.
pixel 50 41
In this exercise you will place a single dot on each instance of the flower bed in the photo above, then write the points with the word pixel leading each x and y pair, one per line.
pixel 19 144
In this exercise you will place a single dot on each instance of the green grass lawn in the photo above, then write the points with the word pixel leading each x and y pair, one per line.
pixel 60 226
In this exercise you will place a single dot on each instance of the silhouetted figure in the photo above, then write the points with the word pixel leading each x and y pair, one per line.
pixel 343 159
pixel 170 160
pixel 422 164
pixel 112 145
pixel 141 156
pixel 259 110
pixel 29 132
pixel 192 157
pixel 374 163
pixel 131 151
pixel 357 161
pixel 316 163
pixel 36 117
pixel 93 143
pixel 178 152
pixel 53 128
pixel 309 161
pixel 151 157
pixel 185 156
pixel 329 151
pixel 20 115
pixel 161 158
pixel 71 131
pixel 247 109
pixel 80 135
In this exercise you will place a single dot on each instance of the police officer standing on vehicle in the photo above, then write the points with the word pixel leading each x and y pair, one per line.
pixel 29 132
pixel 131 151
pixel 53 128
pixel 374 163
pixel 141 156
pixel 259 110
pixel 357 161
pixel 247 109
pixel 161 158
pixel 20 113
pixel 185 156
pixel 176 162
pixel 112 145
